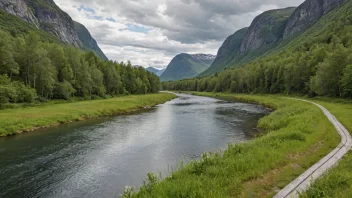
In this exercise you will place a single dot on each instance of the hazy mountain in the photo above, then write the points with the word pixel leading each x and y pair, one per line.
pixel 156 71
pixel 187 66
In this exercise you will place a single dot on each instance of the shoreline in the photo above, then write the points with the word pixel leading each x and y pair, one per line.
pixel 121 106
pixel 261 166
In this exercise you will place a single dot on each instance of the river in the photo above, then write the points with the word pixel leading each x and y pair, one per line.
pixel 99 157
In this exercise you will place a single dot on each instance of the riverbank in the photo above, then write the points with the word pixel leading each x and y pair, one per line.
pixel 297 135
pixel 19 120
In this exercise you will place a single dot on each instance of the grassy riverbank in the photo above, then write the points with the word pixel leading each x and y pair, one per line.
pixel 338 182
pixel 14 121
pixel 297 135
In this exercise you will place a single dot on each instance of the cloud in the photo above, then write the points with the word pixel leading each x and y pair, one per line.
pixel 151 33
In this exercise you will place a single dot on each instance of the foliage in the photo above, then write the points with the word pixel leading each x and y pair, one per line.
pixel 297 134
pixel 62 72
pixel 309 64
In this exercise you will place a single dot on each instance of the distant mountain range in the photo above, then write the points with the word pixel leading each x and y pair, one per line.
pixel 187 66
pixel 47 16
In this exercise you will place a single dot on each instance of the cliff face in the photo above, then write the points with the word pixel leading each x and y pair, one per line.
pixel 20 9
pixel 46 15
pixel 52 19
pixel 266 29
pixel 307 14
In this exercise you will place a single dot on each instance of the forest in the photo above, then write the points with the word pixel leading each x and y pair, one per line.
pixel 35 70
pixel 317 63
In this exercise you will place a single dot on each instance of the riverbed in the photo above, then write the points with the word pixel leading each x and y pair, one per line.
pixel 100 157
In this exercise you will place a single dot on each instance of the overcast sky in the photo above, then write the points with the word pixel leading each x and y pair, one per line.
pixel 152 32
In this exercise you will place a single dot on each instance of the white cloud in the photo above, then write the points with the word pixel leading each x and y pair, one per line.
pixel 151 33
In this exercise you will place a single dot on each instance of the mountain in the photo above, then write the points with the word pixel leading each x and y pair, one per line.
pixel 156 71
pixel 152 69
pixel 269 32
pixel 87 40
pixel 187 66
pixel 248 43
pixel 46 15
pixel 314 62
pixel 265 29
pixel 308 13
pixel 227 52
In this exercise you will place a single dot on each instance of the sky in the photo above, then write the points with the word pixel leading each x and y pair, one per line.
pixel 152 32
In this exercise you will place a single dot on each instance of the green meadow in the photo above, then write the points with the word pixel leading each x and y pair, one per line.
pixel 338 182
pixel 18 120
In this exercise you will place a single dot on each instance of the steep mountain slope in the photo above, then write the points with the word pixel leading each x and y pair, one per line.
pixel 265 29
pixel 46 15
pixel 187 66
pixel 87 40
pixel 227 52
pixel 307 14
pixel 314 62
pixel 16 26
pixel 156 71
pixel 271 31
pixel 249 43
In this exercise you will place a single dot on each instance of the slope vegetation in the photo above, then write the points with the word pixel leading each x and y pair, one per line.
pixel 271 31
pixel 47 16
pixel 318 62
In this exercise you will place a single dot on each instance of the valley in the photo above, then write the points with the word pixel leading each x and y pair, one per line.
pixel 126 99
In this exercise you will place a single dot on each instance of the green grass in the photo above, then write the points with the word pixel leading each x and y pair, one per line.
pixel 295 136
pixel 14 121
pixel 338 182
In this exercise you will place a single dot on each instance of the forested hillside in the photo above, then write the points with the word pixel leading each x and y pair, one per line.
pixel 46 16
pixel 31 69
pixel 268 33
pixel 263 35
pixel 318 62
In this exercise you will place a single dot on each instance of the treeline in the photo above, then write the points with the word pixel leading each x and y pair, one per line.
pixel 34 70
pixel 315 65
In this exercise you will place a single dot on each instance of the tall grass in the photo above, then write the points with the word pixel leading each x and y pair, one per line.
pixel 297 135
pixel 338 182
pixel 14 121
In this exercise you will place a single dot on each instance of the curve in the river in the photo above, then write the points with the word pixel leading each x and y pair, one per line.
pixel 303 182
pixel 99 157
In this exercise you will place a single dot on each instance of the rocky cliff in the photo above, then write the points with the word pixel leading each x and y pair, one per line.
pixel 20 9
pixel 52 19
pixel 307 14
pixel 46 15
pixel 268 32
pixel 266 29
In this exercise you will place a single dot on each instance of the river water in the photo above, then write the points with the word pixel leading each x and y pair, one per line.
pixel 99 157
